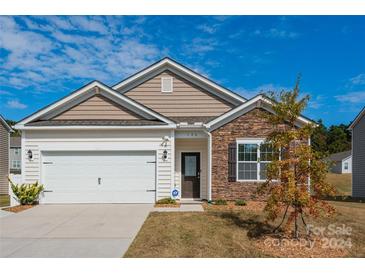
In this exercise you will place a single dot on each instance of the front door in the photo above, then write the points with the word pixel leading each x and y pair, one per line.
pixel 190 172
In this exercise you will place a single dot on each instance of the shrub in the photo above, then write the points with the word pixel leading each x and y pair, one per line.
pixel 220 202
pixel 27 194
pixel 166 201
pixel 240 202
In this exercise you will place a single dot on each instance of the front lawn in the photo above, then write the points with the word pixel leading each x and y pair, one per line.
pixel 342 182
pixel 231 233
pixel 4 200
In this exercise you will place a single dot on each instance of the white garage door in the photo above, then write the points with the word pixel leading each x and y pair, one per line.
pixel 99 176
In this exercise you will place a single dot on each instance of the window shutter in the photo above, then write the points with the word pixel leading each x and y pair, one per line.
pixel 232 148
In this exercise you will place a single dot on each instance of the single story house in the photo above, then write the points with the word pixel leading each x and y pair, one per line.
pixel 164 131
pixel 341 162
pixel 358 155
pixel 5 131
pixel 15 154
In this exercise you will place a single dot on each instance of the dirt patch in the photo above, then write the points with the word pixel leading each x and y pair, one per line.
pixel 18 208
pixel 167 205
pixel 286 247
pixel 254 206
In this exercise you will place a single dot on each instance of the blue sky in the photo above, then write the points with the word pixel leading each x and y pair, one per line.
pixel 44 58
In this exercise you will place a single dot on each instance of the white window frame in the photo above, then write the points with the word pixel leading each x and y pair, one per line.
pixel 346 165
pixel 172 84
pixel 16 150
pixel 257 142
pixel 15 166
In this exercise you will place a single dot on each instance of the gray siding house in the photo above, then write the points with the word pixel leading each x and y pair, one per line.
pixel 15 154
pixel 5 130
pixel 358 155
pixel 341 162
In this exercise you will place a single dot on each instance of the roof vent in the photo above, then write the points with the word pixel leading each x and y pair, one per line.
pixel 166 84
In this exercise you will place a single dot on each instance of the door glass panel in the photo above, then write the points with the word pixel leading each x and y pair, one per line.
pixel 190 166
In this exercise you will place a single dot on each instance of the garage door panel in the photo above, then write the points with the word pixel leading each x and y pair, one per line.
pixel 73 177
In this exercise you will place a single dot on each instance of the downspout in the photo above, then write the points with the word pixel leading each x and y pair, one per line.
pixel 209 166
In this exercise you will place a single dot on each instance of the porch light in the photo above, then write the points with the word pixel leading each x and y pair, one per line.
pixel 30 154
pixel 164 155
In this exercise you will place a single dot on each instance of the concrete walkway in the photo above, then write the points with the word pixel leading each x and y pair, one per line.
pixel 182 208
pixel 81 231
pixel 4 213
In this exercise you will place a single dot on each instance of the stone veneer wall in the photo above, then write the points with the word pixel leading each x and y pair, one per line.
pixel 249 125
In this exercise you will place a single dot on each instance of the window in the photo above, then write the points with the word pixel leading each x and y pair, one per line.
pixel 16 151
pixel 253 156
pixel 166 84
pixel 346 165
pixel 15 164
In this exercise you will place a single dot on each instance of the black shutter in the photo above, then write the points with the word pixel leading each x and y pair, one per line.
pixel 232 148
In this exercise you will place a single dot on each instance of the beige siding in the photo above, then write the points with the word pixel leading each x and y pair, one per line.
pixel 107 140
pixel 4 160
pixel 97 108
pixel 185 100
pixel 193 145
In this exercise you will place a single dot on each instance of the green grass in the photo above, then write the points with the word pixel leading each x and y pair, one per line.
pixel 342 182
pixel 4 200
pixel 228 233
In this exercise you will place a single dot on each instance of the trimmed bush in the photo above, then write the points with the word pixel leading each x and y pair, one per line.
pixel 166 201
pixel 220 202
pixel 240 202
pixel 27 194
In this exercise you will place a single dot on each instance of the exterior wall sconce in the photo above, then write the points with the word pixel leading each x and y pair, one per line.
pixel 30 154
pixel 164 155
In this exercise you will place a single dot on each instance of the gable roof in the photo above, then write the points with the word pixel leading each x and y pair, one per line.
pixel 182 71
pixel 339 156
pixel 5 124
pixel 94 87
pixel 357 118
pixel 257 101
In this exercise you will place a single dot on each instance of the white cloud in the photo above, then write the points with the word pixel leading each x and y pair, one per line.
pixel 200 45
pixel 15 104
pixel 206 28
pixel 355 97
pixel 358 80
pixel 38 57
pixel 276 33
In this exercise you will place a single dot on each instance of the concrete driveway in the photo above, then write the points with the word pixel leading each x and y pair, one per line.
pixel 81 231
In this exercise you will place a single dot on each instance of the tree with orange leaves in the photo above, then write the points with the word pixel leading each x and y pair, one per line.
pixel 295 182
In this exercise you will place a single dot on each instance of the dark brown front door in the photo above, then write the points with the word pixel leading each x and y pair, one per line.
pixel 190 172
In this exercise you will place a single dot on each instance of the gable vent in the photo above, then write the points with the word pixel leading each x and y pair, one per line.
pixel 166 84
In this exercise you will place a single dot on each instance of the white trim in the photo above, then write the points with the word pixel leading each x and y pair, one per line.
pixel 21 127
pixel 357 119
pixel 178 67
pixel 85 89
pixel 171 83
pixel 209 175
pixel 255 141
pixel 245 107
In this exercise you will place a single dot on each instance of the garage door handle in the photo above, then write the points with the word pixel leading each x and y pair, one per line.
pixel 150 190
pixel 153 162
pixel 47 190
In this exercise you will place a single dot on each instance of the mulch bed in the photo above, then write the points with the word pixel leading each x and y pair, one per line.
pixel 167 205
pixel 287 247
pixel 255 206
pixel 18 208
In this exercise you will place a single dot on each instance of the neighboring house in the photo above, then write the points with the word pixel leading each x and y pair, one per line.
pixel 358 155
pixel 164 128
pixel 15 154
pixel 342 162
pixel 5 130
